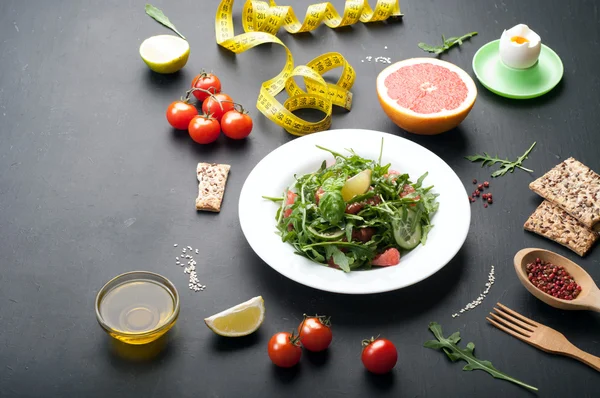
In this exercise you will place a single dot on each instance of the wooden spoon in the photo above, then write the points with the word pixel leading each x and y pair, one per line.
pixel 588 298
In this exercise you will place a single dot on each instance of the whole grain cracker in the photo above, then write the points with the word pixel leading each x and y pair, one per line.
pixel 574 187
pixel 212 178
pixel 552 222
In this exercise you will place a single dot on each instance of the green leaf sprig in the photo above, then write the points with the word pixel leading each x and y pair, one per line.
pixel 455 353
pixel 159 17
pixel 507 165
pixel 446 43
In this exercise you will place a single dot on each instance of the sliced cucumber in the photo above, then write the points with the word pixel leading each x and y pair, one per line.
pixel 334 234
pixel 407 230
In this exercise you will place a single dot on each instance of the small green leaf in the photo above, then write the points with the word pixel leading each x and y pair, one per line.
pixel 436 345
pixel 452 355
pixel 419 182
pixel 428 48
pixel 455 353
pixel 332 207
pixel 454 338
pixel 470 347
pixel 506 165
pixel 273 199
pixel 159 17
pixel 338 257
pixel 446 43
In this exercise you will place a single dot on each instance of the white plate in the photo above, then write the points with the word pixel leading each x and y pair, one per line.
pixel 275 172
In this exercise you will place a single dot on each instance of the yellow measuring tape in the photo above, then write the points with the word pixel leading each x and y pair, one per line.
pixel 262 20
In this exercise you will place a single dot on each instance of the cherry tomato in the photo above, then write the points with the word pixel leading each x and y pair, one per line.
pixel 206 81
pixel 236 125
pixel 379 355
pixel 204 129
pixel 315 333
pixel 179 114
pixel 211 105
pixel 284 349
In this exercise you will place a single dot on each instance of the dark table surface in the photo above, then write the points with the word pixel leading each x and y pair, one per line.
pixel 93 183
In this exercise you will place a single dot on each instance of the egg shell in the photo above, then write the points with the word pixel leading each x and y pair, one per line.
pixel 520 56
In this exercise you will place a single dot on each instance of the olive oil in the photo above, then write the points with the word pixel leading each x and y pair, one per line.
pixel 137 306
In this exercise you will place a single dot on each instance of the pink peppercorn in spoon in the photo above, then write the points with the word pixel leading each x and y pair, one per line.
pixel 553 269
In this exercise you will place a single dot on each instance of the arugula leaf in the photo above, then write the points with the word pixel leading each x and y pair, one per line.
pixel 420 180
pixel 338 257
pixel 455 353
pixel 506 165
pixel 273 199
pixel 159 17
pixel 424 232
pixel 446 43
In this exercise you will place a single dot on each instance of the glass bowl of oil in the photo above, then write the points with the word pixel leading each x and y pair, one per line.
pixel 137 307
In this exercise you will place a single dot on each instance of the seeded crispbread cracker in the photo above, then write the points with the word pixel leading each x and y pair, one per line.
pixel 212 178
pixel 574 187
pixel 552 222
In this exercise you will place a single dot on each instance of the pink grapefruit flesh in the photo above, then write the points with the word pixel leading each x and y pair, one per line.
pixel 426 95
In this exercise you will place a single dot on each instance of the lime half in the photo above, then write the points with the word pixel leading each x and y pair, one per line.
pixel 165 53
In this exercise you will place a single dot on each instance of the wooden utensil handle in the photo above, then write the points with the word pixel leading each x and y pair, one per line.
pixel 583 356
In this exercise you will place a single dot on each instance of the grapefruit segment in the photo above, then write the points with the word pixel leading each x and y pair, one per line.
pixel 426 95
pixel 388 258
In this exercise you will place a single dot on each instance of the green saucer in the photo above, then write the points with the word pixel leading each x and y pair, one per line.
pixel 517 83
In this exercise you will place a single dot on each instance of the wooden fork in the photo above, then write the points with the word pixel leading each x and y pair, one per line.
pixel 538 335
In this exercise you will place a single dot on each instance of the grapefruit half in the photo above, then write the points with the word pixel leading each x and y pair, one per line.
pixel 426 95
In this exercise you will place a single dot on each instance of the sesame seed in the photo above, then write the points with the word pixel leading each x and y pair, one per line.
pixel 481 297
pixel 174 244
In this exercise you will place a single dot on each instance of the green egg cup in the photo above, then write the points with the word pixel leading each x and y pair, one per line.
pixel 517 83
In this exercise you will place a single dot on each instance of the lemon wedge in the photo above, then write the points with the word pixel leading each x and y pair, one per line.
pixel 241 320
pixel 165 53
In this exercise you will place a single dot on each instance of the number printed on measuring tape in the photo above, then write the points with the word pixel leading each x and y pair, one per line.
pixel 261 22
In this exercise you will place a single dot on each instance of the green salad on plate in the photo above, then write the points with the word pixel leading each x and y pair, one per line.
pixel 355 213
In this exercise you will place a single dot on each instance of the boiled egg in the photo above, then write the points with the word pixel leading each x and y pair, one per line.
pixel 520 47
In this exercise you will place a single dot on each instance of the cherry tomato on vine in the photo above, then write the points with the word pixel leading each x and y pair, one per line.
pixel 206 81
pixel 236 125
pixel 379 355
pixel 180 113
pixel 211 105
pixel 284 349
pixel 204 129
pixel 315 333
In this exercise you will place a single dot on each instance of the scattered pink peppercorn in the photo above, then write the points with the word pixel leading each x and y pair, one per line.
pixel 480 187
pixel 490 201
pixel 553 280
pixel 485 205
pixel 474 181
pixel 486 184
